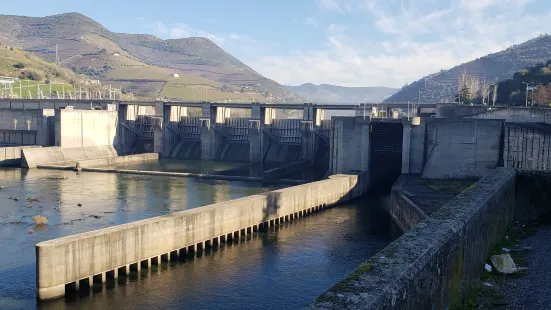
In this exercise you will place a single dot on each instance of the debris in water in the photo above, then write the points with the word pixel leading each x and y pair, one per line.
pixel 488 268
pixel 1 186
pixel 14 198
pixel 504 263
pixel 56 177
pixel 32 198
pixel 95 216
pixel 40 220
pixel 30 231
pixel 79 204
pixel 16 222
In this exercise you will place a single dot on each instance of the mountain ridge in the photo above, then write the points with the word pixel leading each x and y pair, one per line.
pixel 442 86
pixel 86 45
pixel 333 94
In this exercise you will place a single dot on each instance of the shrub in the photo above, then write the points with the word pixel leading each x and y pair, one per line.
pixel 19 65
pixel 34 76
pixel 40 220
pixel 47 81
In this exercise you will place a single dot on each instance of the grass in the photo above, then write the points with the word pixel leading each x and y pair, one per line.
pixel 29 89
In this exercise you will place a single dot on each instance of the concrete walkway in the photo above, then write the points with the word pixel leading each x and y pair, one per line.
pixel 533 291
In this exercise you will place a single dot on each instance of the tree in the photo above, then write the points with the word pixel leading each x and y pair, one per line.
pixel 461 84
pixel 494 92
pixel 543 95
pixel 473 85
pixel 484 91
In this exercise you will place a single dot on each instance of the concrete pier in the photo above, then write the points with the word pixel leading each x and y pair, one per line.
pixel 71 259
pixel 11 156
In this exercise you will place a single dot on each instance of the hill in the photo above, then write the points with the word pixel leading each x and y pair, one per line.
pixel 442 86
pixel 332 94
pixel 513 91
pixel 34 73
pixel 142 64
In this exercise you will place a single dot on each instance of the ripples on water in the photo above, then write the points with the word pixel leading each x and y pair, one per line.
pixel 283 268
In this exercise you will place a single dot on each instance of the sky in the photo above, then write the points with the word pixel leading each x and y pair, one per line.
pixel 341 42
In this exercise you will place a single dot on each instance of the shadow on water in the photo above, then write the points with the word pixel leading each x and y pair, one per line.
pixel 282 267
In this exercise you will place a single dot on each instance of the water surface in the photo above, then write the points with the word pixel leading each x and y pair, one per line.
pixel 284 268
pixel 75 203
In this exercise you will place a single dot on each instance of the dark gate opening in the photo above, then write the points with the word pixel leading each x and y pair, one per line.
pixel 385 154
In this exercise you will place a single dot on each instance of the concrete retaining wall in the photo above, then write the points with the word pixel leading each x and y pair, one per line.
pixel 446 110
pixel 115 160
pixel 85 128
pixel 527 146
pixel 33 157
pixel 461 148
pixel 349 141
pixel 69 259
pixel 434 265
pixel 518 115
pixel 11 156
pixel 405 213
pixel 533 196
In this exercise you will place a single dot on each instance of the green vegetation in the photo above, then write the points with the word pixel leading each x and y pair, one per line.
pixel 513 91
pixel 137 62
pixel 442 86
pixel 29 89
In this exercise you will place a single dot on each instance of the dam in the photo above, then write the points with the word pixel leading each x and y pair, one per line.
pixel 351 156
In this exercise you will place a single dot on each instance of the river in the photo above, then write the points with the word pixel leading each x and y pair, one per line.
pixel 284 268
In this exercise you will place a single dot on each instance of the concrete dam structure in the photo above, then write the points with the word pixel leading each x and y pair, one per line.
pixel 355 154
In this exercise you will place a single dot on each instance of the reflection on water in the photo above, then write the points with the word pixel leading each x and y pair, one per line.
pixel 173 165
pixel 220 168
pixel 285 268
pixel 105 199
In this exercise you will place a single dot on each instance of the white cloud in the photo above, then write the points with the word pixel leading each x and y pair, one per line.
pixel 403 40
pixel 311 21
pixel 419 37
pixel 331 5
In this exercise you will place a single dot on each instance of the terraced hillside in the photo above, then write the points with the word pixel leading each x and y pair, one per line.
pixel 442 86
pixel 142 64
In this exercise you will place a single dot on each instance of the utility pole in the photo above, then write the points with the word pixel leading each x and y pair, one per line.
pixel 57 62
pixel 526 93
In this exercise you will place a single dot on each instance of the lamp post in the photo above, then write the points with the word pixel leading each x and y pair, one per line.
pixel 527 84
